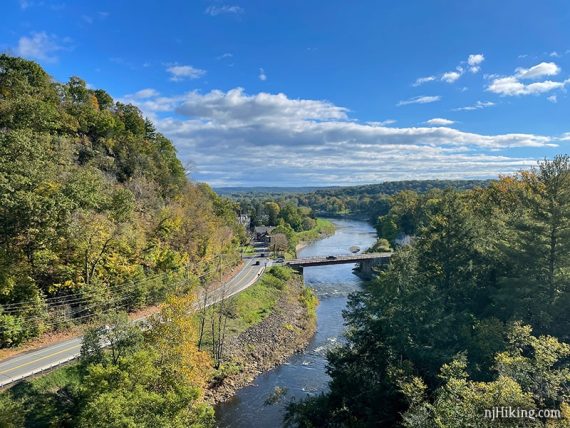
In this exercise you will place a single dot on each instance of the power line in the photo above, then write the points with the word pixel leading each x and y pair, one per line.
pixel 114 300
pixel 14 308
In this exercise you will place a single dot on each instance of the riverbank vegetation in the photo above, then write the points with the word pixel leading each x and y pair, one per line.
pixel 96 212
pixel 272 320
pixel 472 314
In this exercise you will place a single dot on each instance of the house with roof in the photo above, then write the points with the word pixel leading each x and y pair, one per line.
pixel 263 233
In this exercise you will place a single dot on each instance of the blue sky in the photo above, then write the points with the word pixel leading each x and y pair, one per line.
pixel 321 92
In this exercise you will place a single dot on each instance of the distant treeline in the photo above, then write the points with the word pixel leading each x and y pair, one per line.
pixel 370 202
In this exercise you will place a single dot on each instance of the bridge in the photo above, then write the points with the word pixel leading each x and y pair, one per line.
pixel 366 260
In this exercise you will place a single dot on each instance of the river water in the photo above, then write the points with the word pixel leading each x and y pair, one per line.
pixel 305 373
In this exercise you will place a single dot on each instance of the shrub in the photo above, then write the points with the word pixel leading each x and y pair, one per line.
pixel 281 272
pixel 11 330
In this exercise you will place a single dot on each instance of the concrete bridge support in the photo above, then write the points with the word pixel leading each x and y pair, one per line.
pixel 368 268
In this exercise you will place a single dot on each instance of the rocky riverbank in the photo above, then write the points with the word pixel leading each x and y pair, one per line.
pixel 287 330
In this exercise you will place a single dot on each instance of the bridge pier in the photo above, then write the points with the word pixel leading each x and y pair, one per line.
pixel 298 269
pixel 366 269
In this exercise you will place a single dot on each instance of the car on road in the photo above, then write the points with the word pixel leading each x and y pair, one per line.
pixel 331 258
pixel 257 263
pixel 262 255
pixel 280 260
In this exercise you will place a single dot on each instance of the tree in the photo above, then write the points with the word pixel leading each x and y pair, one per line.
pixel 273 210
pixel 536 283
pixel 532 374
pixel 278 243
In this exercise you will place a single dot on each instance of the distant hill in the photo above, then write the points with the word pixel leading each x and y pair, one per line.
pixel 268 190
pixel 392 187
pixel 385 188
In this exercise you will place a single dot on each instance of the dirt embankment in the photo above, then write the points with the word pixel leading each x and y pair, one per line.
pixel 286 331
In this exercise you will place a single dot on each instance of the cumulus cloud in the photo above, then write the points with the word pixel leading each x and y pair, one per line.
pixel 41 46
pixel 262 76
pixel 144 93
pixel 537 71
pixel 513 85
pixel 451 76
pixel 510 86
pixel 251 139
pixel 223 9
pixel 552 99
pixel 479 105
pixel 420 81
pixel 424 99
pixel 475 61
pixel 439 121
pixel 181 72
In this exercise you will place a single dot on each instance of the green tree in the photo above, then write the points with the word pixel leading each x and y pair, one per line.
pixel 273 210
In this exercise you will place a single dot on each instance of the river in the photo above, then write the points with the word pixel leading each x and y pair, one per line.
pixel 304 373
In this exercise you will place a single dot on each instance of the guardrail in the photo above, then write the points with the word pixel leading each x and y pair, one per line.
pixel 9 380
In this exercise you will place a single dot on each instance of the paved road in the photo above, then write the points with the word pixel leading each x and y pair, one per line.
pixel 33 362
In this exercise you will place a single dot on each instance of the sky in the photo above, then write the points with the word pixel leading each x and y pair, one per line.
pixel 319 93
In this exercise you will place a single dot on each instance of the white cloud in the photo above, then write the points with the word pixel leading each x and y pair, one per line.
pixel 421 80
pixel 225 56
pixel 230 134
pixel 479 105
pixel 382 123
pixel 512 85
pixel 439 121
pixel 144 93
pixel 537 71
pixel 451 76
pixel 41 46
pixel 552 99
pixel 262 76
pixel 475 61
pixel 425 99
pixel 565 137
pixel 554 54
pixel 223 9
pixel 181 72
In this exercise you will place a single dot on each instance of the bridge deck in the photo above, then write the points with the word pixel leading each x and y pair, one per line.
pixel 353 258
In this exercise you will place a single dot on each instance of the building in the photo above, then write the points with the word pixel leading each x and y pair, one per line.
pixel 263 233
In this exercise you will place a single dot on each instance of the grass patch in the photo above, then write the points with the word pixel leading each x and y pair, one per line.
pixel 247 250
pixel 323 227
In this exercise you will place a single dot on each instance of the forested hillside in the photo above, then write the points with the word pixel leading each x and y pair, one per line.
pixel 96 212
pixel 473 314
pixel 365 202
